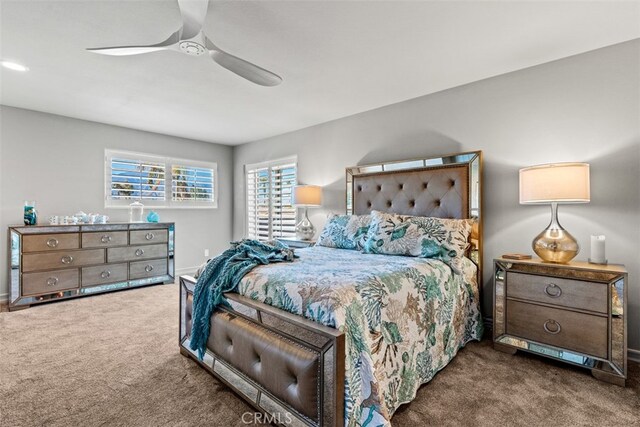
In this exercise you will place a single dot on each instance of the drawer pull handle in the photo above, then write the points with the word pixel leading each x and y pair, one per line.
pixel 553 290
pixel 149 236
pixel 139 252
pixel 52 243
pixel 556 329
pixel 67 259
pixel 148 268
pixel 105 274
pixel 106 238
pixel 52 281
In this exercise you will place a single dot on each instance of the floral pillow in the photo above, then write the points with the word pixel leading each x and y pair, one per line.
pixel 345 231
pixel 426 237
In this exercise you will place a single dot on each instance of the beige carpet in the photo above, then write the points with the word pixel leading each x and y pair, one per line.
pixel 113 360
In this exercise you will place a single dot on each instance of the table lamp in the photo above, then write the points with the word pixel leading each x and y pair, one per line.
pixel 306 196
pixel 552 184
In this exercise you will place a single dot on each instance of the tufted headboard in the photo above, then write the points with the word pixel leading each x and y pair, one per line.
pixel 441 192
pixel 445 187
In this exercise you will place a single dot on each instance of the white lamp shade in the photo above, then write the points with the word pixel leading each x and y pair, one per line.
pixel 556 182
pixel 307 195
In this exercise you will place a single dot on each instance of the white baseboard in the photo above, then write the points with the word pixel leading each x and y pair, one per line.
pixel 633 355
pixel 4 297
pixel 186 270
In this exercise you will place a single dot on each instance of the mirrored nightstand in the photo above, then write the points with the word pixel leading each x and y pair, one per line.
pixel 575 313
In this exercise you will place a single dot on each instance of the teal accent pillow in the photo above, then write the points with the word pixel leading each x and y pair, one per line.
pixel 345 231
pixel 426 237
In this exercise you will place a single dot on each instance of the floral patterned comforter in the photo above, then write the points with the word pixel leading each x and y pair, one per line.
pixel 404 318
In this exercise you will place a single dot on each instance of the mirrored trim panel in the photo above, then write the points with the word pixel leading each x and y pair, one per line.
pixel 612 368
pixel 330 391
pixel 472 159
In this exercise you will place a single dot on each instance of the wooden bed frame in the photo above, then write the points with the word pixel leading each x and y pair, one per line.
pixel 446 186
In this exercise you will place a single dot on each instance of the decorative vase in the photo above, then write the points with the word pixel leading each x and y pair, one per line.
pixel 136 210
pixel 30 214
pixel 153 217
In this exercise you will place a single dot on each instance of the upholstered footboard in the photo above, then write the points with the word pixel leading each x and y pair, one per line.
pixel 289 368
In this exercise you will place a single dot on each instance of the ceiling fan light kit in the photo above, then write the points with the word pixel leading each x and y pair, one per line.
pixel 191 40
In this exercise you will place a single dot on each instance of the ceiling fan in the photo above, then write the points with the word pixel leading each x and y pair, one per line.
pixel 191 40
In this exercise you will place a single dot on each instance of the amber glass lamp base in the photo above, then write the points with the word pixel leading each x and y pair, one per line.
pixel 555 244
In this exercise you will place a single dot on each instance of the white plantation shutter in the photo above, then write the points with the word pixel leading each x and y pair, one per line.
pixel 158 182
pixel 270 214
pixel 283 214
pixel 136 178
pixel 192 183
pixel 258 204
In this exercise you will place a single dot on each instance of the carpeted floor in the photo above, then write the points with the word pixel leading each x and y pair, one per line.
pixel 113 360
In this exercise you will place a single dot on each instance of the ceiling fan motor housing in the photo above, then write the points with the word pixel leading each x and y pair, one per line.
pixel 192 48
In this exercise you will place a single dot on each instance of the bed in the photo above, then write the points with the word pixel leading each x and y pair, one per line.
pixel 339 337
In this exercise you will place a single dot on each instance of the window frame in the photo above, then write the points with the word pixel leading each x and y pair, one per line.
pixel 267 165
pixel 169 162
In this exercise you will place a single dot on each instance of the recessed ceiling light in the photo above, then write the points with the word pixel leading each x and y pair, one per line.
pixel 14 66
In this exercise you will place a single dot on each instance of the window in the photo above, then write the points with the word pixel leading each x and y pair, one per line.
pixel 269 188
pixel 159 182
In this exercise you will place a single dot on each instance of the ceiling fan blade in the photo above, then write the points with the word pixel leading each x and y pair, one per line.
pixel 245 69
pixel 168 44
pixel 193 14
pixel 125 50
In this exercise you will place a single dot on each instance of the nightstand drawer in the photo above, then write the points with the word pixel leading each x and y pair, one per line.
pixel 584 333
pixel 578 294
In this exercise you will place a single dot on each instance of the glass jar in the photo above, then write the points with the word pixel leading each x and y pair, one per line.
pixel 136 210
pixel 30 214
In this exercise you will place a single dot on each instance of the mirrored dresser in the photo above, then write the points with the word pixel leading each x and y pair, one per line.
pixel 575 313
pixel 55 262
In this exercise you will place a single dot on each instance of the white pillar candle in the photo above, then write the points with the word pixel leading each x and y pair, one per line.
pixel 597 250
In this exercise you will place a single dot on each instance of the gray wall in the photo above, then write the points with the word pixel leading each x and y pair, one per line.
pixel 582 108
pixel 59 162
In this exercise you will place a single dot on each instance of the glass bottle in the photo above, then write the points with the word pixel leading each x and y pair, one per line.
pixel 135 212
pixel 30 214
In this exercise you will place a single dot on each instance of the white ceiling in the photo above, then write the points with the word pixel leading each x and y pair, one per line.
pixel 336 58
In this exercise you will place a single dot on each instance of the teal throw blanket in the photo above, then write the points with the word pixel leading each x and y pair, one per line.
pixel 223 274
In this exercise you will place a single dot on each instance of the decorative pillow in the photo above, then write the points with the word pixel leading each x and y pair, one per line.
pixel 426 237
pixel 345 231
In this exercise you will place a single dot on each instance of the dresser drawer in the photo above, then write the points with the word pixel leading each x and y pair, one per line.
pixel 62 259
pixel 584 333
pixel 108 273
pixel 133 253
pixel 50 242
pixel 143 237
pixel 104 239
pixel 151 268
pixel 49 282
pixel 578 294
